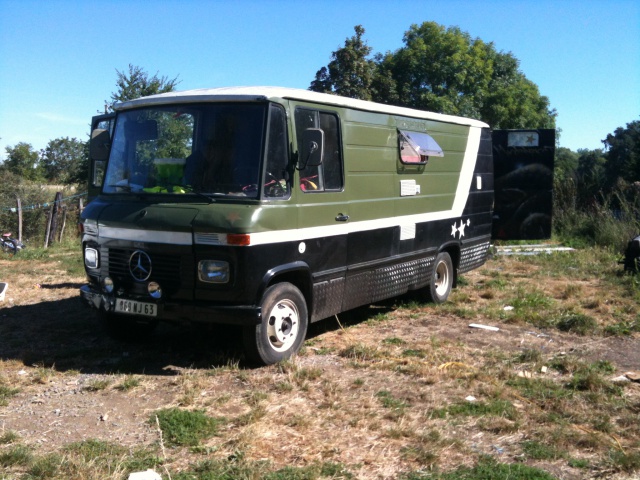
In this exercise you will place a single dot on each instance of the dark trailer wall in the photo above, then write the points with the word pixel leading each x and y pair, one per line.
pixel 523 172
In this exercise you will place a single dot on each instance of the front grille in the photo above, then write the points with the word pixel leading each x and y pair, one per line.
pixel 167 270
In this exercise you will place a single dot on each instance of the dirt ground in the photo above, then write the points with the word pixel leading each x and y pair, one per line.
pixel 72 381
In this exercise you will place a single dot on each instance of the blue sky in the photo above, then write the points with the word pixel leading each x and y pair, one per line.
pixel 58 58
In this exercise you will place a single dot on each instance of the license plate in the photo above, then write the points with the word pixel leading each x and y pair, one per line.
pixel 136 308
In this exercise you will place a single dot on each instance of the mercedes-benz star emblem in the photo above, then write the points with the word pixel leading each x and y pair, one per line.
pixel 140 266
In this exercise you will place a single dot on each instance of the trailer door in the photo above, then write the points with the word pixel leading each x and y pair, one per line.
pixel 523 174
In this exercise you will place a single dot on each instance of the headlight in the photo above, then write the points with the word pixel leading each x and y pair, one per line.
pixel 91 258
pixel 213 271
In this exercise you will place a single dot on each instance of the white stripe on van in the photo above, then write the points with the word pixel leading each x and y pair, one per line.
pixel 150 236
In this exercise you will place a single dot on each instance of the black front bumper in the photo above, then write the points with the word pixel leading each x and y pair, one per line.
pixel 184 312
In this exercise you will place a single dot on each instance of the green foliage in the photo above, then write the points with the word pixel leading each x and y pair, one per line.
pixel 65 161
pixel 607 220
pixel 185 428
pixel 137 83
pixel 623 157
pixel 22 161
pixel 350 73
pixel 443 70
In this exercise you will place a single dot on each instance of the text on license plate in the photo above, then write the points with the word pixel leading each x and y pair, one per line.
pixel 136 308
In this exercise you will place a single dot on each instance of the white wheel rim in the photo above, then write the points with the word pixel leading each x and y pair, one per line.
pixel 442 278
pixel 282 325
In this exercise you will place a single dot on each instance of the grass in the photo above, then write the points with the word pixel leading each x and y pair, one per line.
pixel 383 394
pixel 487 469
pixel 185 428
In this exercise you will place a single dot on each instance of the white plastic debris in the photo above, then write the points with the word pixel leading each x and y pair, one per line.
pixel 508 308
pixel 483 327
pixel 3 290
pixel 148 475
pixel 470 398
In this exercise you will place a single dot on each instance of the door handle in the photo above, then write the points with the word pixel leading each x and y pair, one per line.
pixel 342 218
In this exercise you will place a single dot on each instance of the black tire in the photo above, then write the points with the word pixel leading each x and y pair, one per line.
pixel 442 278
pixel 283 327
pixel 126 327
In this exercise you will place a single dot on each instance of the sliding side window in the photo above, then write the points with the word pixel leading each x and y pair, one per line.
pixel 325 175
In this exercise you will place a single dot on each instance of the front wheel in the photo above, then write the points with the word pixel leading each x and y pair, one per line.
pixel 283 326
pixel 441 281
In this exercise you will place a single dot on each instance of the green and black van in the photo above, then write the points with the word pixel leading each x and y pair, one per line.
pixel 271 208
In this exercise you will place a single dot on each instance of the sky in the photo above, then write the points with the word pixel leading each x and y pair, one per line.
pixel 58 58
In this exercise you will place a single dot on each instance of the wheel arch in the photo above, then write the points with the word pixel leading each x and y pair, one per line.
pixel 295 273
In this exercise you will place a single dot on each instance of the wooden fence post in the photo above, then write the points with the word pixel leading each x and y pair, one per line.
pixel 54 218
pixel 19 208
pixel 46 235
pixel 64 222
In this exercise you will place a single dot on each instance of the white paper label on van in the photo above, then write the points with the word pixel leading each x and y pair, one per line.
pixel 408 188
pixel 407 232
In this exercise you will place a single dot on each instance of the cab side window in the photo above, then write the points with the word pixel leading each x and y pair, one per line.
pixel 328 175
pixel 276 181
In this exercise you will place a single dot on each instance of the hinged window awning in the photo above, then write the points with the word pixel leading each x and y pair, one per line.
pixel 416 147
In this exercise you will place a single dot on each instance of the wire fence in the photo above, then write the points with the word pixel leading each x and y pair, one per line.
pixel 43 222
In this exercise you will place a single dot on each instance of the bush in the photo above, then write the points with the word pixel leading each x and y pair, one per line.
pixel 609 220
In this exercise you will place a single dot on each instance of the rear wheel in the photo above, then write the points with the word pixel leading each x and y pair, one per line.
pixel 283 326
pixel 441 281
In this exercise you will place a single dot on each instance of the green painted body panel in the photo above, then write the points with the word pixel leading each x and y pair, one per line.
pixel 239 218
pixel 372 175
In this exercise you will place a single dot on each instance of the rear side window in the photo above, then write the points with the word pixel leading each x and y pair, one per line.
pixel 328 175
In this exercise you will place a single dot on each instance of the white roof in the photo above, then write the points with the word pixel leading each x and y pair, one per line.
pixel 244 94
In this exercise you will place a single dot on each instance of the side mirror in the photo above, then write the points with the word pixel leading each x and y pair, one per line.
pixel 312 148
pixel 100 145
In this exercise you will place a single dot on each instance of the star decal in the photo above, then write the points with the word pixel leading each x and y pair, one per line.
pixel 461 228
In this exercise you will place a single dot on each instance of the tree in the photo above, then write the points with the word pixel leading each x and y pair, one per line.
pixel 137 83
pixel 623 154
pixel 349 72
pixel 443 70
pixel 23 161
pixel 566 163
pixel 65 161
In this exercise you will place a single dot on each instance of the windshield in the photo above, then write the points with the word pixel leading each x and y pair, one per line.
pixel 212 149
